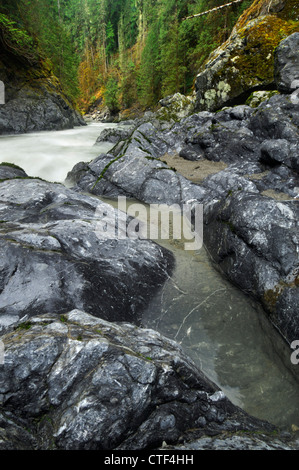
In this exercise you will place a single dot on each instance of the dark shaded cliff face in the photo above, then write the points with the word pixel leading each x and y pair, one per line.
pixel 34 100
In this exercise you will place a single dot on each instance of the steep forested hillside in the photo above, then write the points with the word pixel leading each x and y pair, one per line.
pixel 37 95
pixel 36 29
pixel 123 53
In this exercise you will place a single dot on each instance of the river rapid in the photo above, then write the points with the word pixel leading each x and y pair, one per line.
pixel 221 328
pixel 50 155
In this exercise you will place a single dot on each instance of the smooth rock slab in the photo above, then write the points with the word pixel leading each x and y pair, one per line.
pixel 254 240
pixel 84 383
pixel 135 171
pixel 55 256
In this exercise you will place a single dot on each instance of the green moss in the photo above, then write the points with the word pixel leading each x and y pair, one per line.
pixel 229 225
pixel 256 98
pixel 24 326
pixel 257 59
pixel 144 150
pixel 105 169
pixel 271 296
pixel 145 137
pixel 147 358
pixel 250 64
pixel 29 178
pixel 11 165
pixel 290 10
pixel 253 62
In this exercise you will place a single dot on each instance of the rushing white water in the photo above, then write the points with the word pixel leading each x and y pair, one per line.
pixel 220 328
pixel 51 155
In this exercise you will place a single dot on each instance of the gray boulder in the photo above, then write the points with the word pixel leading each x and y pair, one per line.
pixel 254 241
pixel 9 170
pixel 35 110
pixel 286 65
pixel 277 118
pixel 249 60
pixel 176 107
pixel 113 135
pixel 240 66
pixel 56 255
pixel 134 169
pixel 77 382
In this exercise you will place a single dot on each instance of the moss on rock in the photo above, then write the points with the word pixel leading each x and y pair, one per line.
pixel 245 62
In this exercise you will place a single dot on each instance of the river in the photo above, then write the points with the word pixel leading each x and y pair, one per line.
pixel 50 155
pixel 221 328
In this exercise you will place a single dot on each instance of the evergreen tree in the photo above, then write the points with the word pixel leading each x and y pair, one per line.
pixel 149 78
pixel 110 40
pixel 138 50
pixel 111 95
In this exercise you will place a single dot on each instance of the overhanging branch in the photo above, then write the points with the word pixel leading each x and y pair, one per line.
pixel 213 9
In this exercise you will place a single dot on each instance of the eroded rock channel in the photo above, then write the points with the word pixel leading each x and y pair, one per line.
pixel 91 326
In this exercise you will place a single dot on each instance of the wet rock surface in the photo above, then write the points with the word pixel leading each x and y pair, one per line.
pixel 251 206
pixel 76 382
pixel 33 98
pixel 55 255
pixel 239 441
pixel 37 110
pixel 78 372
pixel 254 240
pixel 133 169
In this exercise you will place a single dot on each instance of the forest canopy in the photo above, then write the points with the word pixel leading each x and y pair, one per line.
pixel 121 53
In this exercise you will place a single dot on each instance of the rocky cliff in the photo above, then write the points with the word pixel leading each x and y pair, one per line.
pixel 244 64
pixel 34 100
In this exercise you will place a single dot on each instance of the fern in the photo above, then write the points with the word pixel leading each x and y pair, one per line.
pixel 17 40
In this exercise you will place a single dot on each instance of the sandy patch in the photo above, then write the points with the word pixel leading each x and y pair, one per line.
pixel 277 195
pixel 193 171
